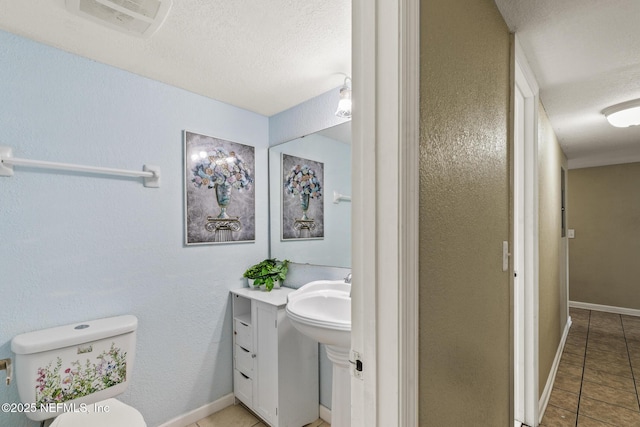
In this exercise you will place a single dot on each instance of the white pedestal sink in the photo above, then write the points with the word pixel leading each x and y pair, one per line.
pixel 322 310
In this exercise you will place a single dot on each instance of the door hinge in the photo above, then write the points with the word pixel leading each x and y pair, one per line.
pixel 357 365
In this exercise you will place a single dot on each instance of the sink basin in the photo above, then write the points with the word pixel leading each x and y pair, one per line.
pixel 322 311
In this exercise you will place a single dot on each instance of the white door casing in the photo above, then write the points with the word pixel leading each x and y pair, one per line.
pixel 385 200
pixel 525 247
pixel 518 257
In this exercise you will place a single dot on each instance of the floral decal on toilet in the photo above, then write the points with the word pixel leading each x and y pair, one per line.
pixel 56 384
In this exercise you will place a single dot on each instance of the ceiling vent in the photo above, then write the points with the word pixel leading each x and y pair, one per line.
pixel 136 17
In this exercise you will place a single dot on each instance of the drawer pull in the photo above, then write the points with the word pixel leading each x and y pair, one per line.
pixel 245 377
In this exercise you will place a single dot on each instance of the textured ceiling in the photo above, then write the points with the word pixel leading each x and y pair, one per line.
pixel 586 56
pixel 263 56
pixel 267 56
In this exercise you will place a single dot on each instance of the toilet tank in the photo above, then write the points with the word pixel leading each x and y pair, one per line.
pixel 66 368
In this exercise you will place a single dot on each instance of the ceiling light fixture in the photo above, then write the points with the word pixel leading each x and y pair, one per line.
pixel 624 115
pixel 344 105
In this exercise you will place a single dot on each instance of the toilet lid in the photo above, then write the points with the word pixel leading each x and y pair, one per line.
pixel 111 413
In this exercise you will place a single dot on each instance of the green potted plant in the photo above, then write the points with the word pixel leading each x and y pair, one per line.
pixel 269 273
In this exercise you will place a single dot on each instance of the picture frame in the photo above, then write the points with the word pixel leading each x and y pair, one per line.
pixel 219 195
pixel 302 213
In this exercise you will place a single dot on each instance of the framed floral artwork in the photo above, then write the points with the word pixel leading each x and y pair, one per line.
pixel 219 194
pixel 302 202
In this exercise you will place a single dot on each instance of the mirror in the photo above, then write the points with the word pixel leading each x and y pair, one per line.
pixel 329 243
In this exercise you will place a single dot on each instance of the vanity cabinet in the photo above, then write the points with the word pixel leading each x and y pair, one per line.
pixel 275 366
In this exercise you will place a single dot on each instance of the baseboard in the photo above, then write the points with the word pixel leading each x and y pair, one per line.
pixel 201 412
pixel 213 407
pixel 546 393
pixel 325 414
pixel 606 308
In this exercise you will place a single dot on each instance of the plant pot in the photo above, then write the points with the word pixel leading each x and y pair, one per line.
pixel 276 285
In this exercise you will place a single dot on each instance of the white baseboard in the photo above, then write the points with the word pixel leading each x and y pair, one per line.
pixel 606 308
pixel 546 393
pixel 201 412
pixel 325 414
pixel 213 407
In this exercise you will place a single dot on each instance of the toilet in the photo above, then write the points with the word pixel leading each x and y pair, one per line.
pixel 72 373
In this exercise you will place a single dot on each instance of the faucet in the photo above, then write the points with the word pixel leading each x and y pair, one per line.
pixel 348 280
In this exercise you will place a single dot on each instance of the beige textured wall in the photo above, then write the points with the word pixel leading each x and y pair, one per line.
pixel 604 209
pixel 464 214
pixel 552 273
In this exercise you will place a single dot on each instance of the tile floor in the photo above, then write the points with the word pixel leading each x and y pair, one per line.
pixel 239 416
pixel 599 373
pixel 596 384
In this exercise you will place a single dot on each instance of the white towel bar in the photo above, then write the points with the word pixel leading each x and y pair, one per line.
pixel 337 197
pixel 151 174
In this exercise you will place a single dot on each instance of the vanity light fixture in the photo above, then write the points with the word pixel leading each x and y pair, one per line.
pixel 624 115
pixel 344 105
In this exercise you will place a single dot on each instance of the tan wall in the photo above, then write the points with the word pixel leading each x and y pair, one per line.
pixel 604 205
pixel 464 214
pixel 552 255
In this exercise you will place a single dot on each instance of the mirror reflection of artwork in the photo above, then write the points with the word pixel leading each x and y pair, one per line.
pixel 302 201
pixel 219 193
pixel 332 147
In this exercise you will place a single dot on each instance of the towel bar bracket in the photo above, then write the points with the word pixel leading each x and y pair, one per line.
pixel 337 198
pixel 5 170
pixel 152 181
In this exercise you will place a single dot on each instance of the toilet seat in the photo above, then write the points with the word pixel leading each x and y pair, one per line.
pixel 118 415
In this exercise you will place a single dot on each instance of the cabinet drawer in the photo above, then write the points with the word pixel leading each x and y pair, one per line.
pixel 243 388
pixel 243 335
pixel 244 361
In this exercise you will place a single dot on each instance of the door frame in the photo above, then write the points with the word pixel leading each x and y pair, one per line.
pixel 526 297
pixel 385 202
pixel 385 126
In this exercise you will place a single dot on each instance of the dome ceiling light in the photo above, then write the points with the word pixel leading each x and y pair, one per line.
pixel 624 115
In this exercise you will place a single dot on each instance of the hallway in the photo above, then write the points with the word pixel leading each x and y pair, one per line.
pixel 599 373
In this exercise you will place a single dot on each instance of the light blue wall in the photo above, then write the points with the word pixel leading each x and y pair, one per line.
pixel 76 247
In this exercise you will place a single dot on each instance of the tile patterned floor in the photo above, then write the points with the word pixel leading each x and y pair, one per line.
pixel 596 384
pixel 599 373
pixel 239 416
